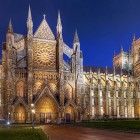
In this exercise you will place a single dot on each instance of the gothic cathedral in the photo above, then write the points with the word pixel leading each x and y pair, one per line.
pixel 34 74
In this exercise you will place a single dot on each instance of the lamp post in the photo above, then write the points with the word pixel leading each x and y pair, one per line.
pixel 8 122
pixel 33 113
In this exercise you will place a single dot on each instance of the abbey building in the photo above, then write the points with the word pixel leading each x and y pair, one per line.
pixel 34 74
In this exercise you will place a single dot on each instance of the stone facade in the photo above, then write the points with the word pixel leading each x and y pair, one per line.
pixel 33 71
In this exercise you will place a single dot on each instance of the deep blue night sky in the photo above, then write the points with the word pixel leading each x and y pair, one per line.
pixel 103 25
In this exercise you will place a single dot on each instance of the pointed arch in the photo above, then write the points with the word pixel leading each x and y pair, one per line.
pixel 47 107
pixel 20 89
pixel 68 90
pixel 46 91
pixel 20 112
pixel 70 111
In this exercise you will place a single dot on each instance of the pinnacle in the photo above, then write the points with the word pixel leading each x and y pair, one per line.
pixel 10 27
pixel 59 25
pixel 29 13
pixel 59 18
pixel 106 68
pixel 134 37
pixel 76 38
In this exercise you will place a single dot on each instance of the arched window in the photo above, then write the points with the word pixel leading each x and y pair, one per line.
pixel 20 89
pixel 37 87
pixel 68 92
pixel 53 88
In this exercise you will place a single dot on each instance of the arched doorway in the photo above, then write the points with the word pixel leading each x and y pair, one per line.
pixel 20 112
pixel 69 114
pixel 46 110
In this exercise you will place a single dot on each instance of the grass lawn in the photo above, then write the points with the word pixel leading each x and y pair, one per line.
pixel 22 134
pixel 133 125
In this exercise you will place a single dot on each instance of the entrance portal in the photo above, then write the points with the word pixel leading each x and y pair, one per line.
pixel 46 110
pixel 67 117
pixel 69 114
pixel 20 113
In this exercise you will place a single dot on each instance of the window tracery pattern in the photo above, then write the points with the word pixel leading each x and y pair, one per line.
pixel 44 55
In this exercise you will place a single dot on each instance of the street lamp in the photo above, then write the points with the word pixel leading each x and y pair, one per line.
pixel 33 113
pixel 8 122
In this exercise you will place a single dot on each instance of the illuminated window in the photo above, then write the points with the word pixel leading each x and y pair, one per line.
pixel 68 92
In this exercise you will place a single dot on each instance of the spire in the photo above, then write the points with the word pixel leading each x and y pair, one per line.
pixel 59 19
pixel 29 23
pixel 106 70
pixel 99 73
pixel 106 73
pixel 134 37
pixel 10 27
pixel 59 26
pixel 29 14
pixel 76 38
pixel 90 72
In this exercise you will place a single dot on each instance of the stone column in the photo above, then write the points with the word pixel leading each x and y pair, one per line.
pixel 107 100
pixel 122 100
pixel 99 98
pixel 136 101
pixel 115 100
pixel 129 101
pixel 91 103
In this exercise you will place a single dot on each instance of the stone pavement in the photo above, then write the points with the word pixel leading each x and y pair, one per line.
pixel 68 132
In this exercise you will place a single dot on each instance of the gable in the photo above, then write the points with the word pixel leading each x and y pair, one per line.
pixel 44 31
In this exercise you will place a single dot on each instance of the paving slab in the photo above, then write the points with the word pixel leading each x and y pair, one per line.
pixel 68 132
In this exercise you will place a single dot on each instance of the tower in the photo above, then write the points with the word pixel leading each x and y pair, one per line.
pixel 59 46
pixel 8 72
pixel 29 58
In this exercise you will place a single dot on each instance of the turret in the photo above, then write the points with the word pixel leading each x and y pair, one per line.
pixel 29 24
pixel 76 43
pixel 77 58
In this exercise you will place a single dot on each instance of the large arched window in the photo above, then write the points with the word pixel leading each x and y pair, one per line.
pixel 20 89
pixel 68 92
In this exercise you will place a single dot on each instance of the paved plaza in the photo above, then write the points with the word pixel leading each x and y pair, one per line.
pixel 68 132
